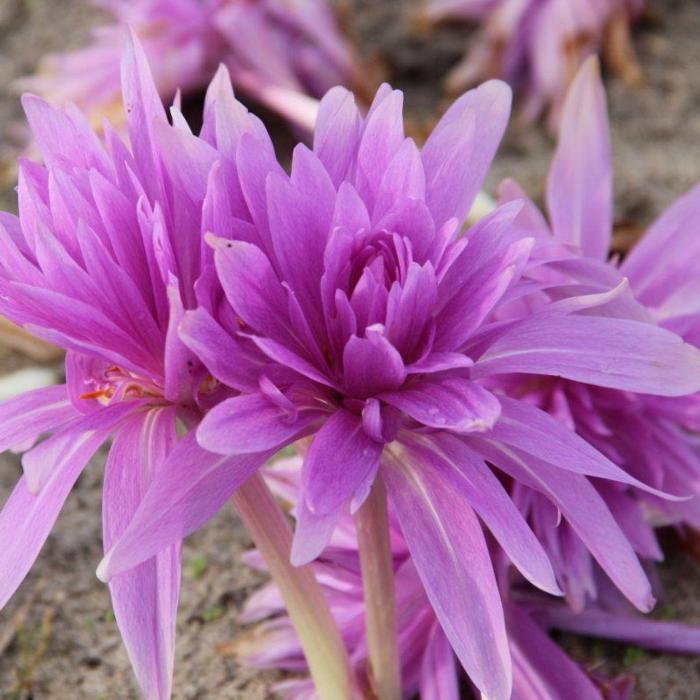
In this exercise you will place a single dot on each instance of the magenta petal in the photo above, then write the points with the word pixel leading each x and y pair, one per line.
pixel 610 352
pixel 27 519
pixel 438 672
pixel 535 432
pixel 458 153
pixel 450 554
pixel 579 187
pixel 77 442
pixel 371 365
pixel 467 472
pixel 252 287
pixel 312 533
pixel 185 493
pixel 144 598
pixel 587 514
pixel 25 417
pixel 249 424
pixel 449 403
pixel 340 460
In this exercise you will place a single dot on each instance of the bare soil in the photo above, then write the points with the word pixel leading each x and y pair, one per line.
pixel 58 639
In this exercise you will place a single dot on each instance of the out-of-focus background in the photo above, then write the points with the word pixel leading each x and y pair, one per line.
pixel 58 638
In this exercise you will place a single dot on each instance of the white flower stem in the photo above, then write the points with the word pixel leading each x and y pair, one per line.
pixel 306 604
pixel 372 522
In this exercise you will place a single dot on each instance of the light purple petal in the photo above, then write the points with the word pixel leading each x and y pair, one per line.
pixel 185 493
pixel 341 458
pixel 27 518
pixel 458 153
pixel 585 511
pixel 249 424
pixel 438 672
pixel 449 403
pixel 579 187
pixel 76 442
pixel 535 432
pixel 312 533
pixel 26 417
pixel 466 471
pixel 450 554
pixel 610 352
pixel 144 598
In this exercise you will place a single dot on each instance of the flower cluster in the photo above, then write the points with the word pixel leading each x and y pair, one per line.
pixel 277 52
pixel 539 46
pixel 488 380
pixel 428 665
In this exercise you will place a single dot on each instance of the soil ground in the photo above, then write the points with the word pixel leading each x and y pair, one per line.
pixel 58 639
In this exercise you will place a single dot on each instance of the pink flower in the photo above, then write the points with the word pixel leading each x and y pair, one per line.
pixel 280 53
pixel 351 309
pixel 428 664
pixel 538 45
pixel 649 436
pixel 102 261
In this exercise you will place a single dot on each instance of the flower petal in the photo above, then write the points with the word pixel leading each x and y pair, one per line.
pixel 460 149
pixel 185 493
pixel 449 403
pixel 251 423
pixel 615 353
pixel 450 554
pixel 144 598
pixel 579 187
pixel 340 460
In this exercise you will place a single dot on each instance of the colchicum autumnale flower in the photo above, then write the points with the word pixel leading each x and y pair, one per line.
pixel 651 437
pixel 538 45
pixel 281 53
pixel 353 311
pixel 103 261
pixel 428 664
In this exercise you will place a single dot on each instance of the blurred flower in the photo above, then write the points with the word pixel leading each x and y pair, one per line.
pixel 428 664
pixel 653 438
pixel 102 261
pixel 277 51
pixel 355 312
pixel 538 45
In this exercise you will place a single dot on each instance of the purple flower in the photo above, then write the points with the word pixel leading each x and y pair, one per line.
pixel 277 52
pixel 648 436
pixel 102 261
pixel 428 664
pixel 537 46
pixel 352 310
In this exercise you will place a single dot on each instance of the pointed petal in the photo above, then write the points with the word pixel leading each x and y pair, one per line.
pixel 458 153
pixel 450 554
pixel 438 671
pixel 144 598
pixel 610 352
pixel 184 494
pixel 448 403
pixel 466 471
pixel 585 511
pixel 312 533
pixel 579 187
pixel 535 432
pixel 26 417
pixel 341 458
pixel 251 423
